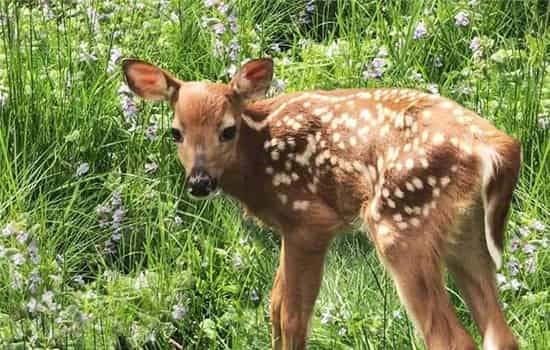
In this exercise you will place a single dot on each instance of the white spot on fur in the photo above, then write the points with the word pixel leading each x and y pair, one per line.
pixel 365 114
pixel 398 193
pixel 415 222
pixel 424 162
pixel 383 230
pixel 327 117
pixel 417 183
pixel 438 138
pixel 300 205
pixel 283 198
pixel 402 225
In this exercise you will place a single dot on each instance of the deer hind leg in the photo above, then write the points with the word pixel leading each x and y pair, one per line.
pixel 473 269
pixel 414 260
pixel 275 308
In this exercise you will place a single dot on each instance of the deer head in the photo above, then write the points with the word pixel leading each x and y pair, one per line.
pixel 207 116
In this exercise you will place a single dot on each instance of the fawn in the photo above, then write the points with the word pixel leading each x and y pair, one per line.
pixel 429 180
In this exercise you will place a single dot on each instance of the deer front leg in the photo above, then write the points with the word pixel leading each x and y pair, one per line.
pixel 296 287
pixel 275 308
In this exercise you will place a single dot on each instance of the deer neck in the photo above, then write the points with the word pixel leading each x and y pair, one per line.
pixel 246 179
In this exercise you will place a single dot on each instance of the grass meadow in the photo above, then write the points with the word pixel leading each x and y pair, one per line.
pixel 100 246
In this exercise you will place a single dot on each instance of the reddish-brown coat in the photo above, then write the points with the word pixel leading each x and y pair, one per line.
pixel 418 171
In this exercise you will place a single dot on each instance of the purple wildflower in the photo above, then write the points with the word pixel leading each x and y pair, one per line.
pixel 116 200
pixel 219 28
pixel 237 260
pixel 433 88
pixel 124 90
pixel 223 7
pixel 129 109
pixel 515 284
pixel 151 167
pixel 475 46
pixel 254 296
pixel 278 85
pixel 85 55
pixel 82 169
pixel 151 131
pixel 118 215
pixel 3 98
pixel 94 19
pixel 524 231
pixel 501 279
pixel 462 19
pixel 378 63
pixel 513 267
pixel 18 259
pixel 232 20
pixel 529 248
pixel 35 280
pixel 32 305
pixel 538 225
pixel 514 244
pixel 179 312
pixel 33 252
pixel 22 237
pixel 326 317
pixel 8 230
pixel 531 264
pixel 116 54
pixel 103 209
pixel 420 31
pixel 377 68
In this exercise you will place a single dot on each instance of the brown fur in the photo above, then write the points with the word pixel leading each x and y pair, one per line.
pixel 407 163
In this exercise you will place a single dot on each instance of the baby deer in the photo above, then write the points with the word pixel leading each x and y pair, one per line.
pixel 429 180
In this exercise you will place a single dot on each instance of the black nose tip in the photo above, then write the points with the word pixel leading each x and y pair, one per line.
pixel 200 183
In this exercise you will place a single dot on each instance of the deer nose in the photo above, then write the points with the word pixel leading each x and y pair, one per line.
pixel 201 184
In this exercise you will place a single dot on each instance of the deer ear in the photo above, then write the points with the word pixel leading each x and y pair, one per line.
pixel 149 81
pixel 253 79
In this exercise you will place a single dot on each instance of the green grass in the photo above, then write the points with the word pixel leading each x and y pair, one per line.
pixel 59 111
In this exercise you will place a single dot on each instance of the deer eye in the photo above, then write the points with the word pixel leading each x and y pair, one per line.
pixel 176 135
pixel 228 134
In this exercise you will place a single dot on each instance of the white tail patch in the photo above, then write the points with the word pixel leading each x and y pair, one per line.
pixel 490 161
